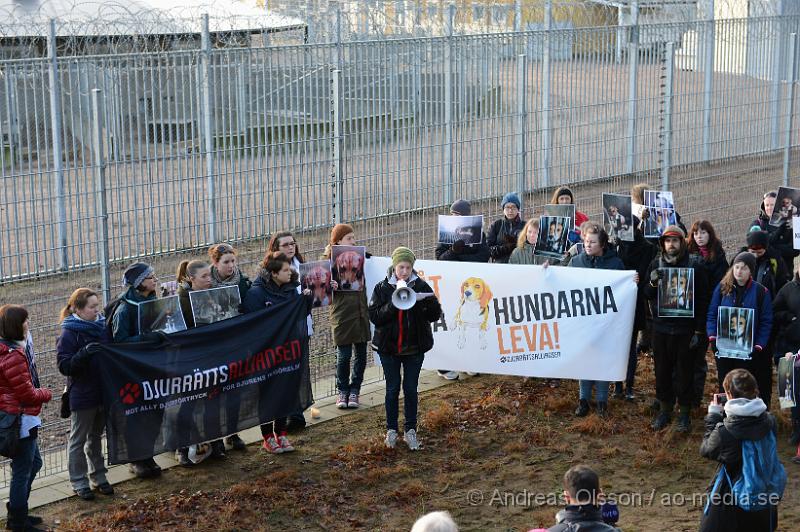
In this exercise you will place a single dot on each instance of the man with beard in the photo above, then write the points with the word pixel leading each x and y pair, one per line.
pixel 673 337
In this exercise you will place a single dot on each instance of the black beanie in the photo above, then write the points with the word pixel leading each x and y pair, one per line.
pixel 136 273
pixel 749 260
pixel 758 239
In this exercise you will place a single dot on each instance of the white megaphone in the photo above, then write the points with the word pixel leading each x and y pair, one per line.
pixel 403 297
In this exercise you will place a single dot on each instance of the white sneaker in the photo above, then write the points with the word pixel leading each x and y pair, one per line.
pixel 449 375
pixel 410 438
pixel 341 400
pixel 352 401
pixel 471 373
pixel 391 439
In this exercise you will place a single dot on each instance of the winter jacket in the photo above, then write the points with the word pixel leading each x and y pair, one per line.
pixel 748 299
pixel 637 255
pixel 786 318
pixel 716 268
pixel 770 271
pixel 744 419
pixel 349 317
pixel 265 292
pixel 186 304
pixel 402 331
pixel 525 255
pixel 586 518
pixel 244 283
pixel 84 384
pixel 125 321
pixel 579 219
pixel 471 253
pixel 17 393
pixel 674 325
pixel 780 238
pixel 607 261
pixel 502 238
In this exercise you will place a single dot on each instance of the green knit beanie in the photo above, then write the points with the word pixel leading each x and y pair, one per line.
pixel 402 254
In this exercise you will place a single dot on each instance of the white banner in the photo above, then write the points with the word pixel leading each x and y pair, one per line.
pixel 570 323
pixel 796 231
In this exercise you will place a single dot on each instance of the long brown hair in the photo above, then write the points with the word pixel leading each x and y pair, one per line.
pixel 274 244
pixel 77 301
pixel 188 269
pixel 728 282
pixel 713 246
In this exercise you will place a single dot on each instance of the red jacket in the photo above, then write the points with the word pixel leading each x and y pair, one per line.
pixel 17 394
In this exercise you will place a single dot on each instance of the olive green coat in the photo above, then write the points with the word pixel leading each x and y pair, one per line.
pixel 349 318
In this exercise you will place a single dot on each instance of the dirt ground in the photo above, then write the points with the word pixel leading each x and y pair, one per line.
pixel 495 449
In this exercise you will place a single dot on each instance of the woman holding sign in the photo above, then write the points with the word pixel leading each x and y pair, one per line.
pixel 563 196
pixel 596 254
pixel 402 337
pixel 738 290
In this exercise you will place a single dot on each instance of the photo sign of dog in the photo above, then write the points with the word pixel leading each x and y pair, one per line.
pixel 347 267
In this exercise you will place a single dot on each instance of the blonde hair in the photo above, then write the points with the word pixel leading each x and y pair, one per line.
pixel 188 269
pixel 77 301
pixel 637 192
pixel 523 235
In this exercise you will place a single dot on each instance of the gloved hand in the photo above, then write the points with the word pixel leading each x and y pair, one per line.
pixel 510 243
pixel 459 246
pixel 80 361
pixel 154 336
pixel 656 275
pixel 695 341
pixel 713 345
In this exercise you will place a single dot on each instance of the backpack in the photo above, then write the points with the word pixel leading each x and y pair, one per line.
pixel 111 309
pixel 763 477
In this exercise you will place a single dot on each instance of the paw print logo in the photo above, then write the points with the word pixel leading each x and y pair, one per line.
pixel 130 393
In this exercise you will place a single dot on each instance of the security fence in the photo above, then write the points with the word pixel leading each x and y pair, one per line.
pixel 108 158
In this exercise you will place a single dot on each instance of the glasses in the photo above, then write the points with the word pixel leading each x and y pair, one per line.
pixel 759 248
pixel 152 277
pixel 288 244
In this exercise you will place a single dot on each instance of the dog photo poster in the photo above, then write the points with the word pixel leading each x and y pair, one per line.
pixel 786 390
pixel 161 315
pixel 347 267
pixel 735 332
pixel 617 216
pixel 676 293
pixel 316 276
pixel 466 228
pixel 553 235
pixel 785 206
pixel 215 304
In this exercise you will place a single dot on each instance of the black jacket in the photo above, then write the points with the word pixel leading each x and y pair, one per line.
pixel 780 238
pixel 265 292
pixel 473 253
pixel 502 238
pixel 786 318
pixel 716 268
pixel 637 255
pixel 585 518
pixel 722 442
pixel 397 329
pixel 771 271
pixel 677 326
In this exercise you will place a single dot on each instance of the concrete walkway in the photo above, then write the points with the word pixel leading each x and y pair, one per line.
pixel 54 488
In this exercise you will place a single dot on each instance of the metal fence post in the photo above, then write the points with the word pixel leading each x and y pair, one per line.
pixel 522 124
pixel 101 205
pixel 708 79
pixel 777 73
pixel 546 140
pixel 447 145
pixel 790 77
pixel 666 128
pixel 206 88
pixel 337 170
pixel 58 150
pixel 633 67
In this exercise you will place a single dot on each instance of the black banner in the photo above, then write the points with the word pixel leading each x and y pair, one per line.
pixel 204 383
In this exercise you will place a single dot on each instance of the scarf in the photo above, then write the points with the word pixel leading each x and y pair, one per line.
pixel 94 328
pixel 232 280
pixel 31 356
pixel 704 252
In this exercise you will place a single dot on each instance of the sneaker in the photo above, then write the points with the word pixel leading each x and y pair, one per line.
pixel 683 424
pixel 391 438
pixel 448 375
pixel 602 409
pixel 341 401
pixel 236 443
pixel 583 408
pixel 271 444
pixel 85 493
pixel 472 374
pixel 661 421
pixel 410 438
pixel 286 446
pixel 629 395
pixel 182 457
pixel 352 401
pixel 105 488
pixel 553 383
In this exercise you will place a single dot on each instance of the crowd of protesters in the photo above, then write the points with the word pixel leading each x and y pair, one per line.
pixel 761 277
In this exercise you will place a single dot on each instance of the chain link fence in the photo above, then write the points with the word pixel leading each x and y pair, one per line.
pixel 156 152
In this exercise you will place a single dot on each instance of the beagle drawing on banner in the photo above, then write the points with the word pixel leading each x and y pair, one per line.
pixel 473 310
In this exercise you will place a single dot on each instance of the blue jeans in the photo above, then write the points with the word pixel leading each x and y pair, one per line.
pixel 24 467
pixel 348 382
pixel 586 390
pixel 411 366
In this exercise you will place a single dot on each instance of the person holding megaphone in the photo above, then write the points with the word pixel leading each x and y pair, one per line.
pixel 402 308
